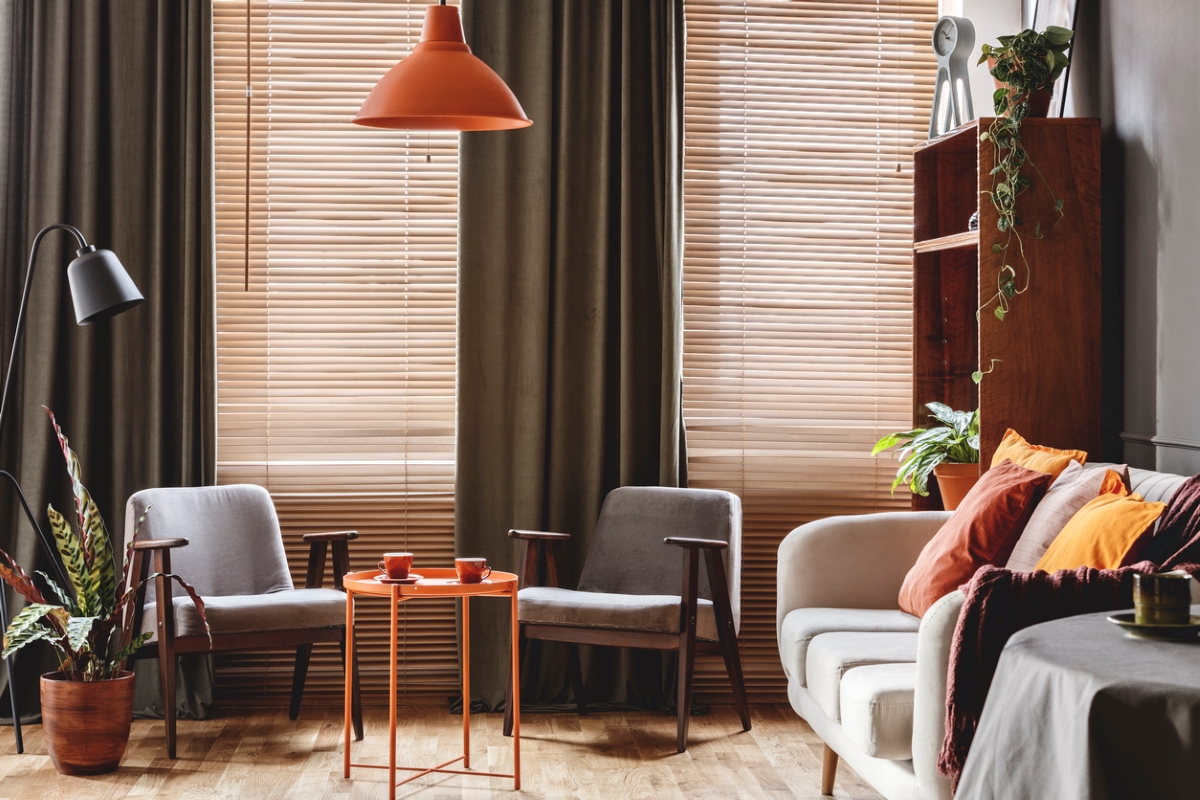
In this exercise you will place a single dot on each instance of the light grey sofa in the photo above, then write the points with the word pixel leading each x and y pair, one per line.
pixel 869 678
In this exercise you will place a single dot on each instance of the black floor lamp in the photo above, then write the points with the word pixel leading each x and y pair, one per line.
pixel 100 288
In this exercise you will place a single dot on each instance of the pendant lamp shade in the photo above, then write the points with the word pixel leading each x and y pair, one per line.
pixel 441 86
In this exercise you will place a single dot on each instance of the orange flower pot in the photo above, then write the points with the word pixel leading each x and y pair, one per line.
pixel 86 723
pixel 954 481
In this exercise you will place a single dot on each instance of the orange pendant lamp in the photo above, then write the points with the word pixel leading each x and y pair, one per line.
pixel 441 86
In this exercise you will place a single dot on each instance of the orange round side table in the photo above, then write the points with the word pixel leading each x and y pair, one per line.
pixel 438 582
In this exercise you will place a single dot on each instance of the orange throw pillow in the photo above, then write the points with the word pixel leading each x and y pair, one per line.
pixel 982 530
pixel 1109 532
pixel 1034 456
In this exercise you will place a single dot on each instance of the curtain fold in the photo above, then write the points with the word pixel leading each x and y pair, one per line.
pixel 569 301
pixel 109 128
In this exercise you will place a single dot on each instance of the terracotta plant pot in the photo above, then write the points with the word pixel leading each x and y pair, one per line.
pixel 86 723
pixel 954 481
pixel 1039 101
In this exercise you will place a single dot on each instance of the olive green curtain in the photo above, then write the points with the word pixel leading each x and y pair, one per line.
pixel 108 126
pixel 569 301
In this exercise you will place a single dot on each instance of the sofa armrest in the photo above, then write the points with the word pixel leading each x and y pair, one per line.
pixel 852 561
pixel 929 700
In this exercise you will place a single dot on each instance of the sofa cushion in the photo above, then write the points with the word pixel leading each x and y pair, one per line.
pixel 1075 488
pixel 982 530
pixel 1013 447
pixel 245 613
pixel 831 655
pixel 1109 532
pixel 654 613
pixel 877 709
pixel 802 624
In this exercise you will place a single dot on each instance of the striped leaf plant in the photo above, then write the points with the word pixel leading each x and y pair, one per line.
pixel 85 623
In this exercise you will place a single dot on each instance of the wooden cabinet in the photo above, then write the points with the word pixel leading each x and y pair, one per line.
pixel 1046 378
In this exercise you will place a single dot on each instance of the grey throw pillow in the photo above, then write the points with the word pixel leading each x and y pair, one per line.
pixel 1074 488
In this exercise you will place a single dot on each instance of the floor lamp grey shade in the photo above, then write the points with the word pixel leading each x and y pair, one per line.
pixel 100 288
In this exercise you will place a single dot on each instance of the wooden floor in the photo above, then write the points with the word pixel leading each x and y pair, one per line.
pixel 262 754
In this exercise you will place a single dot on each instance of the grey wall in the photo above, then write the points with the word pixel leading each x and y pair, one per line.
pixel 1137 68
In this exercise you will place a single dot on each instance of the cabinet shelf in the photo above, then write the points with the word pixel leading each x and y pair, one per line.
pixel 951 242
pixel 1043 359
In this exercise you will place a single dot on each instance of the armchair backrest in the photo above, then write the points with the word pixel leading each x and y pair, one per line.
pixel 234 543
pixel 628 556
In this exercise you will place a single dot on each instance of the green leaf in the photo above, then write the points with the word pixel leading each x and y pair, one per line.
pixel 999 312
pixel 27 627
pixel 72 557
pixel 79 631
pixel 128 650
pixel 997 248
pixel 983 137
pixel 96 544
pixel 1009 288
pixel 1058 204
pixel 1057 35
pixel 64 598
pixel 976 376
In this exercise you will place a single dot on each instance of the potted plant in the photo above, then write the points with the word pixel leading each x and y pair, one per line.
pixel 1024 68
pixel 87 705
pixel 949 451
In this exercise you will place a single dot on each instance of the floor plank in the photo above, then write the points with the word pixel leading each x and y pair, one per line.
pixel 262 755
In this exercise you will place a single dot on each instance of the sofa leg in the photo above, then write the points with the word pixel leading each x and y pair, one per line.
pixel 828 771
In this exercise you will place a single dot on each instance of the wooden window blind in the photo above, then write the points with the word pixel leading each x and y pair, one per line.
pixel 335 314
pixel 799 122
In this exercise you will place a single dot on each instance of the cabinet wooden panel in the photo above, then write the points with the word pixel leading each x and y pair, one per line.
pixel 1045 382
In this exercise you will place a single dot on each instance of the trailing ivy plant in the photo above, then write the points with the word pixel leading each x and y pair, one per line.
pixel 955 441
pixel 1023 64
pixel 85 623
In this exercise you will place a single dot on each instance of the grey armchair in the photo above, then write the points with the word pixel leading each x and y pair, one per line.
pixel 225 541
pixel 620 600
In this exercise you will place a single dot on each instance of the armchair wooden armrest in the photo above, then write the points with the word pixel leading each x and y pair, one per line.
pixel 545 536
pixel 706 544
pixel 159 544
pixel 330 536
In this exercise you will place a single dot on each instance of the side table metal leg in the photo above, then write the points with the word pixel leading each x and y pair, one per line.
pixel 516 690
pixel 392 696
pixel 349 683
pixel 466 678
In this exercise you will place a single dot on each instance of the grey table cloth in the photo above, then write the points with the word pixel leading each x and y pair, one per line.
pixel 1080 709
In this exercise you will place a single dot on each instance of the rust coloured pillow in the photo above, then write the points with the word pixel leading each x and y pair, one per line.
pixel 981 531
pixel 1035 456
pixel 1109 532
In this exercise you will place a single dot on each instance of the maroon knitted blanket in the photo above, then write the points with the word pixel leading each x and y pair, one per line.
pixel 1000 602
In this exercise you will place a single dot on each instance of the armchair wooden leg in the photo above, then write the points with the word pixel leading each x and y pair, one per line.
pixel 165 623
pixel 828 771
pixel 687 646
pixel 576 674
pixel 508 698
pixel 166 669
pixel 303 655
pixel 728 636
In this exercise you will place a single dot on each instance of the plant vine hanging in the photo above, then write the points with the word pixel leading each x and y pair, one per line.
pixel 1022 66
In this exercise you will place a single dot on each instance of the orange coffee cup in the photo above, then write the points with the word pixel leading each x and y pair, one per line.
pixel 472 570
pixel 396 565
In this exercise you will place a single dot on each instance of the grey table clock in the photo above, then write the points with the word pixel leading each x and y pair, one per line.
pixel 953 40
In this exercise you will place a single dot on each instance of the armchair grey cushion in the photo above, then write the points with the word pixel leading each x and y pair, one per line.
pixel 628 568
pixel 628 556
pixel 234 542
pixel 246 613
pixel 653 613
pixel 234 559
